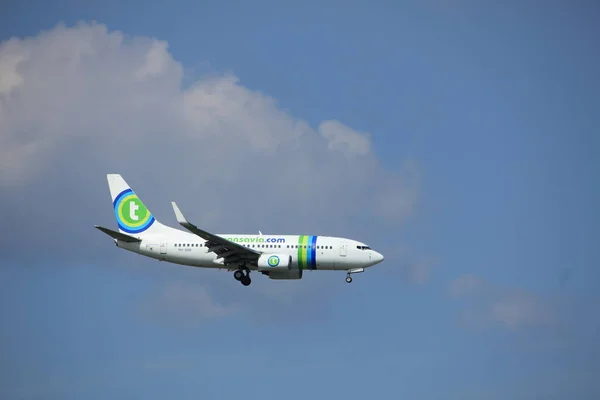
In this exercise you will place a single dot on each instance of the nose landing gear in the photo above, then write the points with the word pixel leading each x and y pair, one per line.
pixel 353 271
pixel 243 276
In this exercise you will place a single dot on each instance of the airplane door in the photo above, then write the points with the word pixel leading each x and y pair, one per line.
pixel 343 249
pixel 163 248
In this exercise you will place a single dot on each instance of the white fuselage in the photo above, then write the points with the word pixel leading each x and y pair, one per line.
pixel 307 252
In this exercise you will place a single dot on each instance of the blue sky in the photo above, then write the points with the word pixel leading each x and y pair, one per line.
pixel 479 186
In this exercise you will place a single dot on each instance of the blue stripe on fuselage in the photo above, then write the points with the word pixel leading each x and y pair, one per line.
pixel 309 253
pixel 312 263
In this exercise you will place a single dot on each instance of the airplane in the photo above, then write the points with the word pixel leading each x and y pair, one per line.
pixel 277 256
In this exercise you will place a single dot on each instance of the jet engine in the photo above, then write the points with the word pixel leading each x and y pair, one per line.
pixel 274 262
pixel 278 266
pixel 289 274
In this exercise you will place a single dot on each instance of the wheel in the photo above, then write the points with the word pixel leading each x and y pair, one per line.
pixel 246 280
pixel 238 275
pixel 348 279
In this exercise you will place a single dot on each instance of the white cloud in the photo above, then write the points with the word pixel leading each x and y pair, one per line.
pixel 344 139
pixel 89 101
pixel 465 285
pixel 521 309
pixel 79 102
pixel 420 271
pixel 156 60
pixel 10 59
pixel 188 303
pixel 509 307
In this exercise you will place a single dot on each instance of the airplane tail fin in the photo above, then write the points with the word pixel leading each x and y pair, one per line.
pixel 133 217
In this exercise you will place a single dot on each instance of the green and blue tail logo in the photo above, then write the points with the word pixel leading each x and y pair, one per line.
pixel 132 215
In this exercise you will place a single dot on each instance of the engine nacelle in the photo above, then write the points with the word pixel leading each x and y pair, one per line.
pixel 287 274
pixel 274 262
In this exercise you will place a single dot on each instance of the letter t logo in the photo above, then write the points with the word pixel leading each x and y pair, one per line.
pixel 132 209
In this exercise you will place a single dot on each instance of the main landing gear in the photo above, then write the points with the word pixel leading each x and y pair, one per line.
pixel 353 271
pixel 243 275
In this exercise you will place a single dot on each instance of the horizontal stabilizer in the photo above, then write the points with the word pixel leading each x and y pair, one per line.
pixel 118 235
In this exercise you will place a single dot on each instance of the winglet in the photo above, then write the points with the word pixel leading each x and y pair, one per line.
pixel 214 241
pixel 186 224
pixel 181 219
pixel 178 214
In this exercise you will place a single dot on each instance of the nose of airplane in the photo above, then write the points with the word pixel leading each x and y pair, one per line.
pixel 377 257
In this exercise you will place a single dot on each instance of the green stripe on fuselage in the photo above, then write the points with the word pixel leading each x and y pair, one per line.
pixel 302 251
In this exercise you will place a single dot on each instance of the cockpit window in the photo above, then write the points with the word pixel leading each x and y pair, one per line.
pixel 363 247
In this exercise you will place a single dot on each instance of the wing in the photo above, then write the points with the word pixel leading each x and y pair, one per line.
pixel 230 252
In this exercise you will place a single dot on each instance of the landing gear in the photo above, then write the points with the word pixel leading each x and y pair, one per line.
pixel 238 275
pixel 246 280
pixel 353 271
pixel 243 276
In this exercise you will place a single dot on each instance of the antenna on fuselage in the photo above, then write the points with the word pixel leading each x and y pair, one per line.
pixel 260 233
